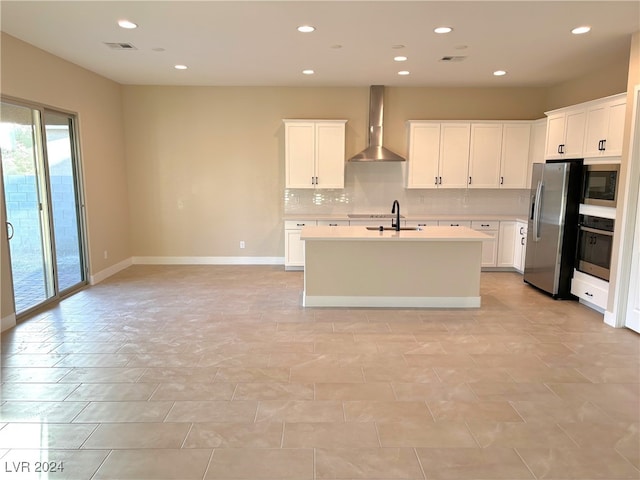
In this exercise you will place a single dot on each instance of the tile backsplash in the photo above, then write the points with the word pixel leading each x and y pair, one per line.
pixel 372 188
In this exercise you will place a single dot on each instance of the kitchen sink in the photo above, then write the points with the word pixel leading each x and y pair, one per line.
pixel 381 228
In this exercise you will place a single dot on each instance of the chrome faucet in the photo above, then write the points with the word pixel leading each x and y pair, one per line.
pixel 396 209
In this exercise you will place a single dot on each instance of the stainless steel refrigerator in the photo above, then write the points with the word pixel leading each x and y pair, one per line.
pixel 553 226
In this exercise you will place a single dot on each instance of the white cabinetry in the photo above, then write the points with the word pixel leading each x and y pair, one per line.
pixel 514 157
pixel 293 246
pixel 605 127
pixel 506 247
pixel 565 134
pixel 489 246
pixel 520 246
pixel 438 155
pixel 536 146
pixel 484 155
pixel 314 153
pixel 590 289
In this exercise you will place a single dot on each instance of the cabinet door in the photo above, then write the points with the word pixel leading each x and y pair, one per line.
pixel 514 164
pixel 485 150
pixel 520 246
pixel 293 249
pixel 595 132
pixel 424 152
pixel 299 154
pixel 329 155
pixel 490 249
pixel 574 134
pixel 454 155
pixel 536 147
pixel 555 135
pixel 506 240
pixel 615 128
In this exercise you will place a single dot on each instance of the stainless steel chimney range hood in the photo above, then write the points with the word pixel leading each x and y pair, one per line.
pixel 375 152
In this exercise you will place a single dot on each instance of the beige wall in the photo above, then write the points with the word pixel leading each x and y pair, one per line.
pixel 633 80
pixel 206 163
pixel 31 74
pixel 602 82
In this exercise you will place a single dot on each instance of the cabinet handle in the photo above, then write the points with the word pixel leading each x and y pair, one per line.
pixel 501 180
pixel 521 230
pixel 469 180
pixel 485 225
pixel 588 294
pixel 522 241
pixel 436 180
pixel 300 224
pixel 560 148
pixel 455 224
pixel 440 180
pixel 604 145
pixel 333 224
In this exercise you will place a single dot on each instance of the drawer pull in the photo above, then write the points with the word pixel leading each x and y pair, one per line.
pixel 485 225
pixel 588 294
pixel 300 224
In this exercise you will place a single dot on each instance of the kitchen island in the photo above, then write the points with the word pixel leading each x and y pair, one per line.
pixel 349 266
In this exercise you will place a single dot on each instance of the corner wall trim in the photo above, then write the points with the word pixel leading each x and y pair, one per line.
pixel 208 260
pixel 112 270
pixel 8 322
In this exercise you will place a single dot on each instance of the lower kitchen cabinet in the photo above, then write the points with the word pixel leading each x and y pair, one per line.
pixel 489 246
pixel 293 246
pixel 506 247
pixel 591 290
pixel 520 246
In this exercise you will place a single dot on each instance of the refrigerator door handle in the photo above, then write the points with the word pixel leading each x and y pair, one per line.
pixel 536 212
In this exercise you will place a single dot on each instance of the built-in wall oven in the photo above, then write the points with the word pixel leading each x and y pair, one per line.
pixel 600 185
pixel 595 241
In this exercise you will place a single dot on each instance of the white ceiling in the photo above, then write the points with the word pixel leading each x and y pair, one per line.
pixel 256 42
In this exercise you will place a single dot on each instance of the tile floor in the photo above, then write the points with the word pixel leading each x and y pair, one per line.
pixel 216 372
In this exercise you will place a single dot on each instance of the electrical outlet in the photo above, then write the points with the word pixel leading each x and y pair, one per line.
pixel 241 243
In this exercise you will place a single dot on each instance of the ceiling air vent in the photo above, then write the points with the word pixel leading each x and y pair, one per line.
pixel 453 58
pixel 120 46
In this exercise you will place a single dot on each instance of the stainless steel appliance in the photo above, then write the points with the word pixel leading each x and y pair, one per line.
pixel 595 242
pixel 552 229
pixel 600 185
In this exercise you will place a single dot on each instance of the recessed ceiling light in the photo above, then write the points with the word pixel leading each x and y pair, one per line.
pixel 127 24
pixel 400 58
pixel 308 72
pixel 306 28
pixel 180 67
pixel 581 30
pixel 443 29
pixel 499 73
pixel 404 72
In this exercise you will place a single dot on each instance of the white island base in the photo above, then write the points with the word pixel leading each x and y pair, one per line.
pixel 355 267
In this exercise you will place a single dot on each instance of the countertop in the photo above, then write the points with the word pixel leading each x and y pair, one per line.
pixel 433 234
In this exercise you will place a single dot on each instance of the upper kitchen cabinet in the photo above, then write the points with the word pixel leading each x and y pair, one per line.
pixel 314 153
pixel 499 155
pixel 485 150
pixel 605 127
pixel 565 133
pixel 438 155
pixel 514 160
pixel 536 146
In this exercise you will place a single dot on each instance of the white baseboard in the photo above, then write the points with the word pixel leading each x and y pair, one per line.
pixel 107 272
pixel 611 319
pixel 208 260
pixel 391 302
pixel 8 322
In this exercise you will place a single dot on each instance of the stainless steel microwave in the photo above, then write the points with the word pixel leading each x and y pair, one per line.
pixel 601 185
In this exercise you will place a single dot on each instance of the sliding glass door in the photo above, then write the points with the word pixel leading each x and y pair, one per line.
pixel 42 201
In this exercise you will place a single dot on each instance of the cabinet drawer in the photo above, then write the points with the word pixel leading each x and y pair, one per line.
pixel 333 223
pixel 454 223
pixel 421 223
pixel 485 225
pixel 589 292
pixel 298 224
